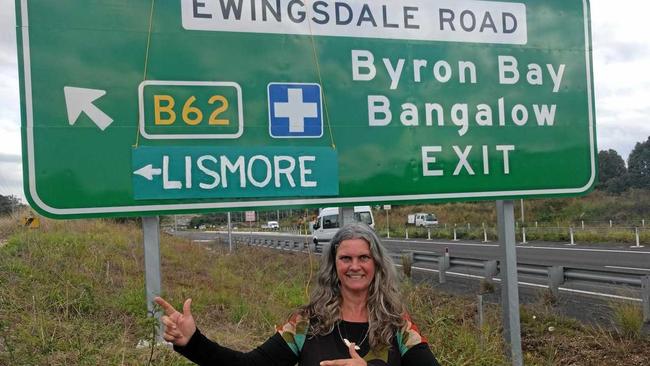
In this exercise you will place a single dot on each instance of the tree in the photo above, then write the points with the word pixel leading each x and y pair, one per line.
pixel 639 165
pixel 611 167
pixel 8 204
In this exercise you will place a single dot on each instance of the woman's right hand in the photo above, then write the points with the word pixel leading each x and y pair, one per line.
pixel 179 328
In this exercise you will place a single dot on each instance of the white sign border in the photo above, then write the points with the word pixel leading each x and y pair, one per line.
pixel 24 29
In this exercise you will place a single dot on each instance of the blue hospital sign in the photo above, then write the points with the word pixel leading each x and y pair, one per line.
pixel 295 110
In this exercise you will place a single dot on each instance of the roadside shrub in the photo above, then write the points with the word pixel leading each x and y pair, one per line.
pixel 629 318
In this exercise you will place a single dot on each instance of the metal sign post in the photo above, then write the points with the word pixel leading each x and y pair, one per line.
pixel 151 234
pixel 509 282
pixel 229 234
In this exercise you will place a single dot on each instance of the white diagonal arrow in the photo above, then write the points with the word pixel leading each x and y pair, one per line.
pixel 79 100
pixel 148 172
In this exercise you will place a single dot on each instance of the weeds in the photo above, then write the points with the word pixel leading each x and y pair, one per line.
pixel 629 318
pixel 72 292
pixel 407 265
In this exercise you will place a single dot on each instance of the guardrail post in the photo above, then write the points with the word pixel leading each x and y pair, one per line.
pixel 636 235
pixel 455 238
pixel 429 233
pixel 443 266
pixel 582 223
pixel 523 235
pixel 490 269
pixel 645 296
pixel 479 309
pixel 555 279
pixel 610 223
pixel 407 233
pixel 485 240
pixel 571 236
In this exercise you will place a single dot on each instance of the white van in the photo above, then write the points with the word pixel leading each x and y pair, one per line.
pixel 327 222
pixel 422 219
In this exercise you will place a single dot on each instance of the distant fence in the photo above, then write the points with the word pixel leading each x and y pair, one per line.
pixel 572 234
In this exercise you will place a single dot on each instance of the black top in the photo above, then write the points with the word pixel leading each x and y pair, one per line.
pixel 280 350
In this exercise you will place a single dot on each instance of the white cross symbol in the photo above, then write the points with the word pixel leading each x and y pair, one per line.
pixel 296 110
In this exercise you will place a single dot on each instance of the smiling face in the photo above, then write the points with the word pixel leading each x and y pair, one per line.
pixel 355 266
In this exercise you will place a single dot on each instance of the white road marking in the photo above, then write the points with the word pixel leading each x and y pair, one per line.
pixel 587 250
pixel 638 269
pixel 441 243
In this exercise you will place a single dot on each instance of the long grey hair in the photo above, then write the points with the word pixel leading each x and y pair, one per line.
pixel 385 308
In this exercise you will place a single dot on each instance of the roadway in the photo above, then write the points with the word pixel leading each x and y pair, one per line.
pixel 632 259
pixel 617 259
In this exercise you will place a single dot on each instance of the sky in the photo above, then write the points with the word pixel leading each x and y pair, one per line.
pixel 621 59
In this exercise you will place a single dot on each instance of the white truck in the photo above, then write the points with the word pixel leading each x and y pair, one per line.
pixel 422 219
pixel 327 223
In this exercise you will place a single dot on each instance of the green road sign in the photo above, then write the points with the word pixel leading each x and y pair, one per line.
pixel 143 107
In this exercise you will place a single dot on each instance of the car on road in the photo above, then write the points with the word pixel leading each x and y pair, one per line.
pixel 422 219
pixel 273 225
pixel 327 222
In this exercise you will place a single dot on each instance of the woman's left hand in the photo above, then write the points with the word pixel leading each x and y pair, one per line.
pixel 354 360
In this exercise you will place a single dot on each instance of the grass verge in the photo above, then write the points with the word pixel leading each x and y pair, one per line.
pixel 72 292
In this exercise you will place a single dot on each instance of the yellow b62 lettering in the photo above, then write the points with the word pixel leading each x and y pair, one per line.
pixel 181 110
pixel 165 113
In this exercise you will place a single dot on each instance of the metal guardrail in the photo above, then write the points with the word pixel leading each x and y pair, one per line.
pixel 555 275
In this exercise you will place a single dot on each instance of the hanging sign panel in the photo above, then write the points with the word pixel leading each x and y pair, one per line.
pixel 142 107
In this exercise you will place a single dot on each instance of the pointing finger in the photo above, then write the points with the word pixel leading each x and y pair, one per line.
pixel 169 310
pixel 353 351
pixel 186 307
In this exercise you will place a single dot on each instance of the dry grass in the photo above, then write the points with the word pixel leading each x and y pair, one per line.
pixel 72 292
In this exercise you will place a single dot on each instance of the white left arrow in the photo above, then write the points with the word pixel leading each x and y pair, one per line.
pixel 79 100
pixel 148 172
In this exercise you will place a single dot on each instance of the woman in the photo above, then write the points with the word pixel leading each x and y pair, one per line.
pixel 354 318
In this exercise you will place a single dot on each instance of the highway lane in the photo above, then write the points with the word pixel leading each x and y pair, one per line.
pixel 632 260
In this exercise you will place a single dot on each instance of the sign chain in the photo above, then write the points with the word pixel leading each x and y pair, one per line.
pixel 146 62
pixel 320 80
